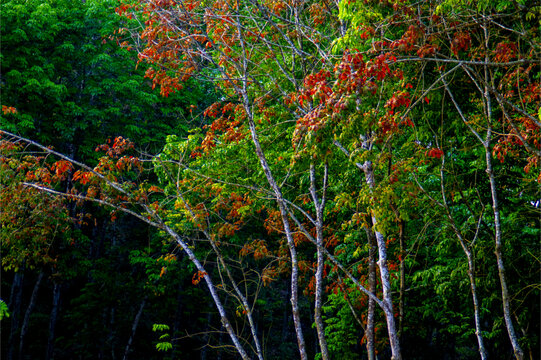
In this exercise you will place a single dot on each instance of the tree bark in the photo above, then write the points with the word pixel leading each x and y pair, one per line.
pixel 287 229
pixel 471 265
pixel 29 309
pixel 471 275
pixel 134 328
pixel 53 320
pixel 242 91
pixel 386 303
pixel 319 205
pixel 519 353
pixel 243 299
pixel 401 300
pixel 111 335
pixel 15 301
pixel 210 286
pixel 384 273
pixel 370 317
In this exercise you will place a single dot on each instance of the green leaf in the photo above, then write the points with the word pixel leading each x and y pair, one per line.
pixel 160 327
pixel 4 310
pixel 164 346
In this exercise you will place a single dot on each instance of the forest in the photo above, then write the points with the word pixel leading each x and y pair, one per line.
pixel 270 179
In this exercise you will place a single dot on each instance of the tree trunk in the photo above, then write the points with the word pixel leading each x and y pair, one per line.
pixel 384 273
pixel 242 91
pixel 210 286
pixel 242 298
pixel 519 354
pixel 177 320
pixel 29 309
pixel 402 279
pixel 319 205
pixel 319 298
pixel 471 265
pixel 287 229
pixel 370 339
pixel 53 320
pixel 203 353
pixel 477 317
pixel 111 336
pixel 15 301
pixel 387 295
pixel 134 328
pixel 499 260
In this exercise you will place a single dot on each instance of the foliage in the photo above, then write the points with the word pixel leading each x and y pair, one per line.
pixel 35 226
pixel 409 129
pixel 4 310
pixel 65 73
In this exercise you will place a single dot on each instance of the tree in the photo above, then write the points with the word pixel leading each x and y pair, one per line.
pixel 433 45
pixel 308 165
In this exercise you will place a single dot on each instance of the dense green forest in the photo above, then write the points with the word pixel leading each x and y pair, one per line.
pixel 270 179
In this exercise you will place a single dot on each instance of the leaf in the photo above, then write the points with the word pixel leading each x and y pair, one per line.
pixel 160 327
pixel 4 310
pixel 164 346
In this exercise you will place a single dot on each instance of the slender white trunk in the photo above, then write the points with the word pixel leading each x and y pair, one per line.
pixel 471 265
pixel 319 205
pixel 210 286
pixel 384 273
pixel 370 317
pixel 519 354
pixel 471 276
pixel 386 303
pixel 242 298
pixel 242 91
pixel 287 229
